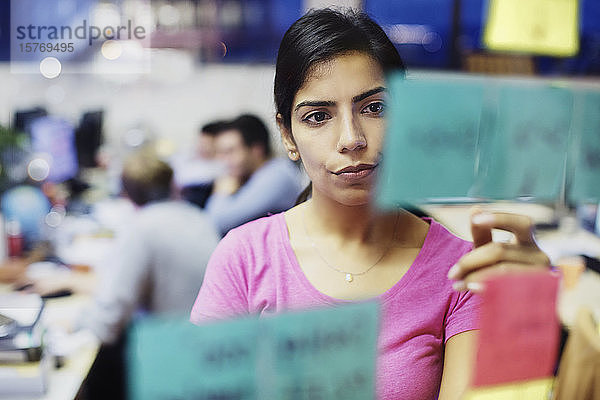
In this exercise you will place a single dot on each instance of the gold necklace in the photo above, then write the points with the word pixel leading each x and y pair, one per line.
pixel 348 276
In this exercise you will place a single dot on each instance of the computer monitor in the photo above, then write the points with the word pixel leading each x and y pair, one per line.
pixel 53 139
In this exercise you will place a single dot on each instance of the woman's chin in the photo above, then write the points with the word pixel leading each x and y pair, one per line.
pixel 349 197
pixel 355 199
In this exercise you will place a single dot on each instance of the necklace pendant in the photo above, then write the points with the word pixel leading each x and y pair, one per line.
pixel 349 277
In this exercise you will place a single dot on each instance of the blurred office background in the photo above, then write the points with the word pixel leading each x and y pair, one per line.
pixel 203 60
pixel 214 58
pixel 69 119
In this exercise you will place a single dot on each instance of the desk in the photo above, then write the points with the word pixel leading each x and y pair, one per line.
pixel 456 217
pixel 64 382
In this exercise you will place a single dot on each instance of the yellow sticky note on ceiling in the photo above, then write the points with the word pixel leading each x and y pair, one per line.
pixel 545 27
pixel 531 390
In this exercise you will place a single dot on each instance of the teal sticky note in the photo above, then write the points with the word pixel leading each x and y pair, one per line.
pixel 174 359
pixel 584 180
pixel 321 354
pixel 467 139
pixel 327 354
pixel 524 154
pixel 432 134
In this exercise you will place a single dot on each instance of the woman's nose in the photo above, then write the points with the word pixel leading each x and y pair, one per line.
pixel 351 136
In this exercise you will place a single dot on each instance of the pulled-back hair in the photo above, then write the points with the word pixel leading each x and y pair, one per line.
pixel 319 36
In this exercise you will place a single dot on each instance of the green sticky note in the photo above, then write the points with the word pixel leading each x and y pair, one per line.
pixel 524 154
pixel 467 139
pixel 584 184
pixel 431 140
pixel 325 354
pixel 173 359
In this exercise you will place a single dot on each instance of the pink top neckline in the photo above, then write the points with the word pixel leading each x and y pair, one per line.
pixel 420 260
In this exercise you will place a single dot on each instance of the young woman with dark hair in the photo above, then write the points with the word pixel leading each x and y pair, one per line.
pixel 334 248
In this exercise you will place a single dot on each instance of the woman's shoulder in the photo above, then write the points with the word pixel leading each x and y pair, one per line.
pixel 444 234
pixel 442 244
pixel 426 231
pixel 268 224
pixel 250 249
pixel 258 233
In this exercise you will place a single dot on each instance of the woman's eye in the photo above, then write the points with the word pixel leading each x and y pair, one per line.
pixel 316 117
pixel 374 108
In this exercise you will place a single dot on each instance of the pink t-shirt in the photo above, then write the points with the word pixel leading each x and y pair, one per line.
pixel 254 271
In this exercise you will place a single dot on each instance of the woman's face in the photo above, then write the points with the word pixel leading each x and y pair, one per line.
pixel 337 127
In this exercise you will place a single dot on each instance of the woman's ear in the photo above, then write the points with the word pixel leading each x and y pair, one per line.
pixel 287 139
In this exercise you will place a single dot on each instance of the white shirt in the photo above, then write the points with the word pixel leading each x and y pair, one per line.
pixel 159 266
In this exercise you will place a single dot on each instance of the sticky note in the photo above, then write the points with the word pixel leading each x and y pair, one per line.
pixel 468 139
pixel 519 329
pixel 547 27
pixel 538 389
pixel 431 141
pixel 174 359
pixel 328 353
pixel 524 152
pixel 321 355
pixel 584 179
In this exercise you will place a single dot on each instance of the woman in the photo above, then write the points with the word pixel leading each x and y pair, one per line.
pixel 330 97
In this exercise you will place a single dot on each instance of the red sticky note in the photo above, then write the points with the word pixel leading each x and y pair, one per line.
pixel 519 329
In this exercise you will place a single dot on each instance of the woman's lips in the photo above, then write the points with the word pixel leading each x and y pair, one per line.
pixel 353 173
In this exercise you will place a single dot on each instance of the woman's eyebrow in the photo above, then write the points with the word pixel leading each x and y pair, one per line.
pixel 329 103
pixel 315 103
pixel 368 93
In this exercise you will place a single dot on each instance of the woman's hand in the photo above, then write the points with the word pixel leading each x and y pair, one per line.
pixel 226 185
pixel 489 258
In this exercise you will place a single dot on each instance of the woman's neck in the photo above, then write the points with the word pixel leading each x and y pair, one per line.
pixel 326 217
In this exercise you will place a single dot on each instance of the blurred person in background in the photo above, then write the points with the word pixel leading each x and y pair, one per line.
pixel 158 267
pixel 160 259
pixel 256 184
pixel 194 175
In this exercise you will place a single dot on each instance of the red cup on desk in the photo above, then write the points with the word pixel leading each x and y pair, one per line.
pixel 14 239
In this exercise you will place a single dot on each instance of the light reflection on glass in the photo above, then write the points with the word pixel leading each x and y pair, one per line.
pixel 55 217
pixel 111 49
pixel 38 169
pixel 50 67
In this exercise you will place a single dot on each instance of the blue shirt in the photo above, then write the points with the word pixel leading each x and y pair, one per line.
pixel 271 189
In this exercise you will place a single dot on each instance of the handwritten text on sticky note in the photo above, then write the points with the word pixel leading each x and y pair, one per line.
pixel 327 353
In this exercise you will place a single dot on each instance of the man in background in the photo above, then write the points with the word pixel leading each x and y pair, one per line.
pixel 255 184
pixel 158 267
pixel 195 174
pixel 160 259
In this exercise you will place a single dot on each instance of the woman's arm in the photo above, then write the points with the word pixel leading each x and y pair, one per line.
pixel 486 260
pixel 459 357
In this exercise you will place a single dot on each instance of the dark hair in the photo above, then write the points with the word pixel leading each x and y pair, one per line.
pixel 253 130
pixel 213 128
pixel 146 178
pixel 319 36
